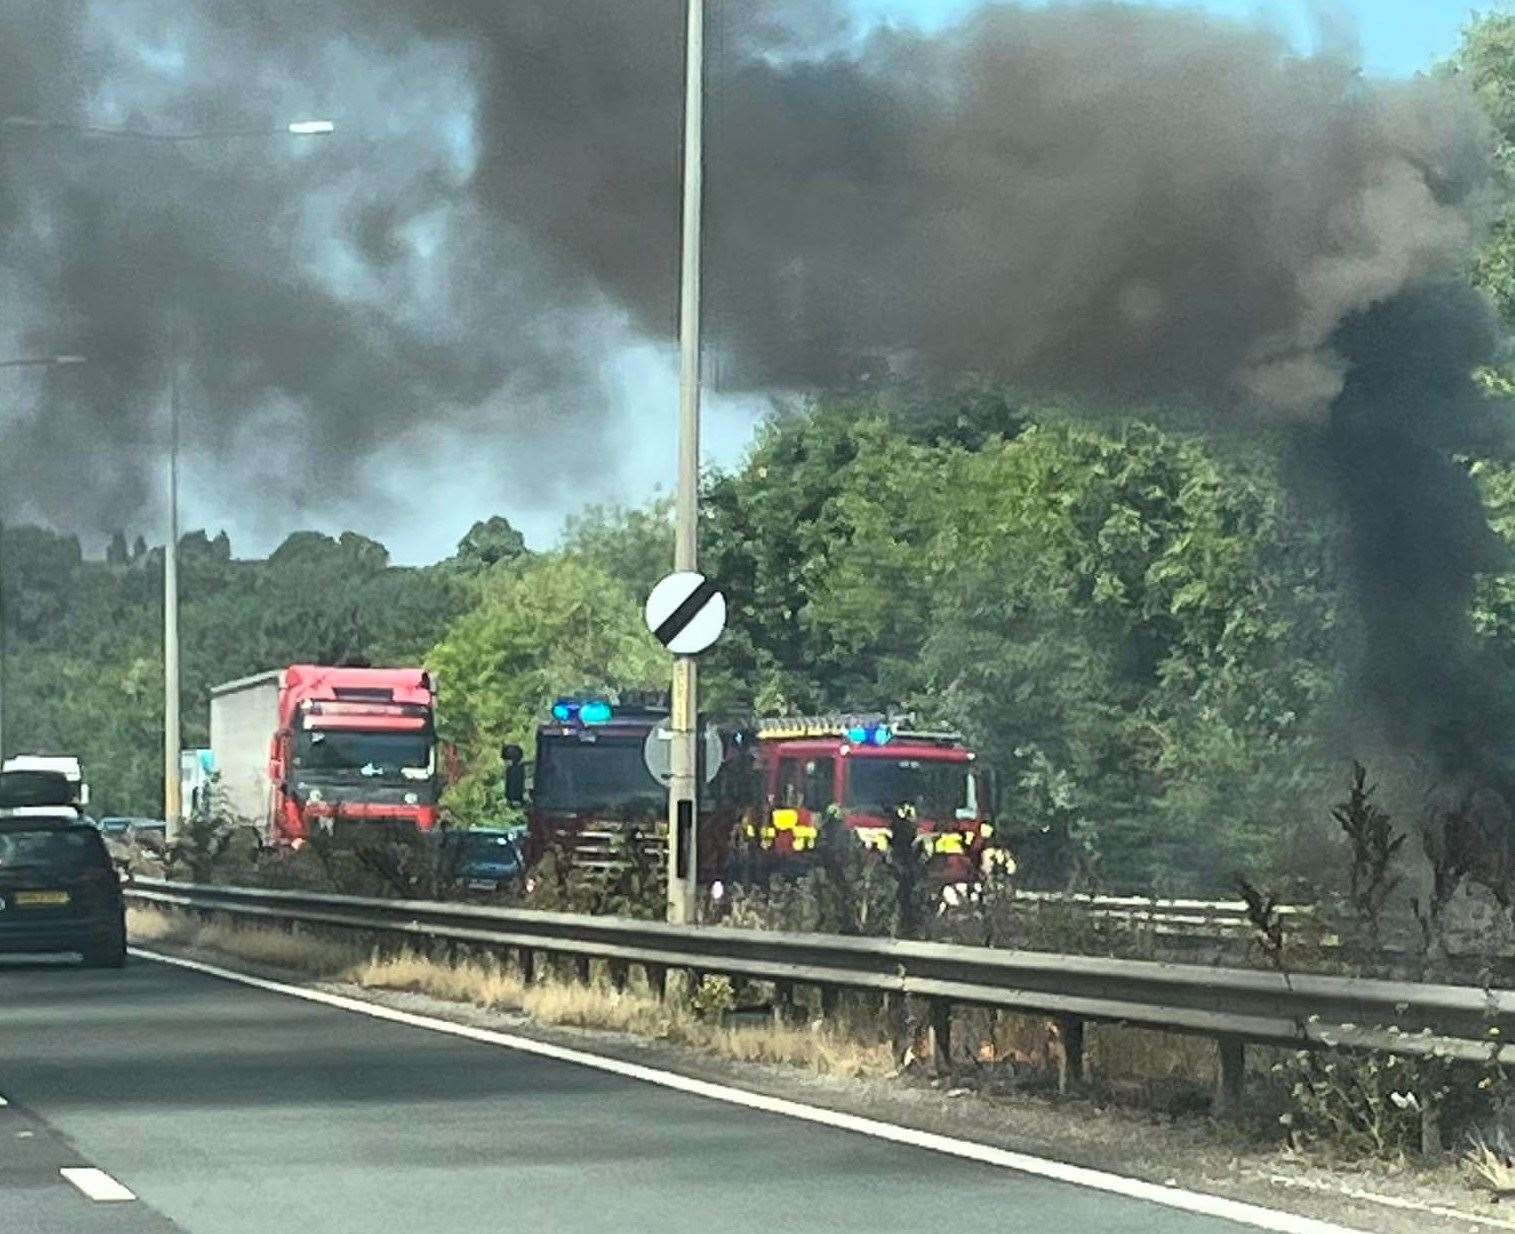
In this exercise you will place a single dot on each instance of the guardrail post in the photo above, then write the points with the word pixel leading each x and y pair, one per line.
pixel 1231 1080
pixel 657 980
pixel 783 1002
pixel 940 1033
pixel 581 969
pixel 527 959
pixel 1430 1120
pixel 617 972
pixel 896 1021
pixel 1070 1063
pixel 830 996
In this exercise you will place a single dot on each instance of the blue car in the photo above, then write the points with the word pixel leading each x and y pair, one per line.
pixel 488 858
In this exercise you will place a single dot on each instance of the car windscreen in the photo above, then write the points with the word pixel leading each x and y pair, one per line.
pixel 490 847
pixel 51 850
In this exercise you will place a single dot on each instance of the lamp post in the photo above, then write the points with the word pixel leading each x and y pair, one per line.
pixel 41 126
pixel 62 361
pixel 683 788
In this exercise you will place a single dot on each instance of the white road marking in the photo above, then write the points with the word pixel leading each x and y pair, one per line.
pixel 1237 1211
pixel 96 1184
pixel 3 1103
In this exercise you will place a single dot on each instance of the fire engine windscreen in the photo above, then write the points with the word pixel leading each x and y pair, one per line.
pixel 937 790
pixel 373 755
pixel 576 776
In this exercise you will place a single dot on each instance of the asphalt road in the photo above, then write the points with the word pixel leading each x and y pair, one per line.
pixel 229 1110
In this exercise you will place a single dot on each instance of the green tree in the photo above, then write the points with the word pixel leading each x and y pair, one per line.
pixel 1140 637
pixel 490 542
pixel 631 544
pixel 556 627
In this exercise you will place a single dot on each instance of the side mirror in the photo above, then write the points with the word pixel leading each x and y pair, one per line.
pixel 515 783
pixel 991 793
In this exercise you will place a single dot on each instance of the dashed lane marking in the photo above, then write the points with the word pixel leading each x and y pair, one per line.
pixel 96 1184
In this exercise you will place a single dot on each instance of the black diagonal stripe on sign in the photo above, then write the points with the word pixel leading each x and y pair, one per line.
pixel 675 622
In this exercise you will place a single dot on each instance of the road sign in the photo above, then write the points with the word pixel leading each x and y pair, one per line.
pixel 657 753
pixel 686 613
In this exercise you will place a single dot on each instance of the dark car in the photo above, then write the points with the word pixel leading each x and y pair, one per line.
pixel 59 891
pixel 151 833
pixel 485 858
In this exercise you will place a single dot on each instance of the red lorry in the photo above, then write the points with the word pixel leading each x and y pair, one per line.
pixel 762 810
pixel 344 750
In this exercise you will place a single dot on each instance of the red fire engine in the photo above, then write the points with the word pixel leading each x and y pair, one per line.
pixel 865 768
pixel 762 811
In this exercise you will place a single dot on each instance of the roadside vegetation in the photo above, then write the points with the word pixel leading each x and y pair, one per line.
pixel 1339 1103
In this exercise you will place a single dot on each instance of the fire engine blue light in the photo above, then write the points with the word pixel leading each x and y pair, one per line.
pixel 857 736
pixel 562 712
pixel 594 712
pixel 880 736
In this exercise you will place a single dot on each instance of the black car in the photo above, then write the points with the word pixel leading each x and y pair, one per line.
pixel 59 891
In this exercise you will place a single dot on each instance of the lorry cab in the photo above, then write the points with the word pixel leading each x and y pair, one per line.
pixel 341 750
pixel 355 747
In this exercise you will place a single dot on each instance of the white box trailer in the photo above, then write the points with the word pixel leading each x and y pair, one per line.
pixel 244 715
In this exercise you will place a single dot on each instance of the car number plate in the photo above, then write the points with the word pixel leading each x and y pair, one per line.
pixel 482 884
pixel 33 899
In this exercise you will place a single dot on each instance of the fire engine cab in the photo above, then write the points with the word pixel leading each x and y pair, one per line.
pixel 868 767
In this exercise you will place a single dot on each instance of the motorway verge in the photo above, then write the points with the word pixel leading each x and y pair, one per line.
pixel 843 1066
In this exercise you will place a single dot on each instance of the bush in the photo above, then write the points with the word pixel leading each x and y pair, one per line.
pixel 1384 1105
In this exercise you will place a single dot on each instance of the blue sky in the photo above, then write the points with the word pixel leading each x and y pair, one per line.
pixel 1396 36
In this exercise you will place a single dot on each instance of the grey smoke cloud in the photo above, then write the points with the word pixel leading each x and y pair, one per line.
pixel 1139 201
pixel 329 300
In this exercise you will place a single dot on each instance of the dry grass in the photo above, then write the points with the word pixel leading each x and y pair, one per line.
pixel 598 1006
pixel 305 953
pixel 480 984
pixel 262 945
pixel 152 925
pixel 812 1047
pixel 1492 1169
pixel 1144 1054
pixel 825 1050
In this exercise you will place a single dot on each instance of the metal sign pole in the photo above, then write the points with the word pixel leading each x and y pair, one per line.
pixel 683 808
pixel 173 806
